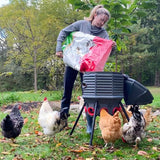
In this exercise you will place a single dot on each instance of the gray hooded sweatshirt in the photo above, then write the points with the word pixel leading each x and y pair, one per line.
pixel 82 26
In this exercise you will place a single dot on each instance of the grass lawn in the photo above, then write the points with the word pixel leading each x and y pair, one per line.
pixel 33 145
pixel 156 94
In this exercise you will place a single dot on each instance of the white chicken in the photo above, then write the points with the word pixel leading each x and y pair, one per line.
pixel 50 120
pixel 134 130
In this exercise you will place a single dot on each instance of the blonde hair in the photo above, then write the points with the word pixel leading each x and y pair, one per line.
pixel 99 9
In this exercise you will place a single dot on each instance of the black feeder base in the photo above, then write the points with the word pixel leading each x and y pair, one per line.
pixel 107 89
pixel 96 107
pixel 101 90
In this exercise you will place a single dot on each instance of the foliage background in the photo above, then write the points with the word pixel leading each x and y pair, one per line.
pixel 29 30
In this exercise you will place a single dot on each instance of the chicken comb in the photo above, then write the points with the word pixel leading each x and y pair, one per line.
pixel 19 107
pixel 78 97
pixel 45 98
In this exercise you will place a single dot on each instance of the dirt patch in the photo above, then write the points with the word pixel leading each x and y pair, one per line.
pixel 31 105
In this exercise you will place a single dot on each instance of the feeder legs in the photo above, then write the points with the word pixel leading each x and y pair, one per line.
pixel 93 124
pixel 77 119
pixel 124 111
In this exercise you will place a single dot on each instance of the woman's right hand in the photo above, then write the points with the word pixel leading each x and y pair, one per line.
pixel 59 54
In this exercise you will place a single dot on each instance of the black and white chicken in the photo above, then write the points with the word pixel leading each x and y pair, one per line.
pixel 134 130
pixel 51 121
pixel 12 124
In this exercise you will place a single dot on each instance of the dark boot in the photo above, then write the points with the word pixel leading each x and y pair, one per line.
pixel 64 113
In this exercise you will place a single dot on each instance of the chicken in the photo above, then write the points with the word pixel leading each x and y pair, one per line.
pixel 51 121
pixel 81 103
pixel 12 124
pixel 129 113
pixel 134 130
pixel 110 126
pixel 147 116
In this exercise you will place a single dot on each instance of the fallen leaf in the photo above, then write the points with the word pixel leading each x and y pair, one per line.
pixel 18 158
pixel 151 131
pixel 38 133
pixel 155 149
pixel 84 148
pixel 27 134
pixel 14 145
pixel 12 150
pixel 77 151
pixel 25 120
pixel 58 144
pixel 149 139
pixel 142 153
pixel 94 152
pixel 66 158
pixel 5 153
pixel 37 141
pixel 80 158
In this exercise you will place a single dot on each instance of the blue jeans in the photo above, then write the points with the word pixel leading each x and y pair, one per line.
pixel 69 79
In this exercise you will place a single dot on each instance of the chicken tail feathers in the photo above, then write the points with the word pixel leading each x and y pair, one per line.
pixel 136 113
pixel 6 124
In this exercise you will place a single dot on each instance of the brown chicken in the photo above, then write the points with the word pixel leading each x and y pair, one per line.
pixel 110 127
pixel 129 113
pixel 148 116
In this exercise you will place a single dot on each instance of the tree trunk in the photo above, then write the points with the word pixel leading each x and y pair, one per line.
pixel 35 70
pixel 157 78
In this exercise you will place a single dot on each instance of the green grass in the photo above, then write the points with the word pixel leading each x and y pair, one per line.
pixel 27 96
pixel 11 97
pixel 32 144
pixel 156 94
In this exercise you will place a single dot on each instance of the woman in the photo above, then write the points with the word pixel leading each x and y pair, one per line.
pixel 92 25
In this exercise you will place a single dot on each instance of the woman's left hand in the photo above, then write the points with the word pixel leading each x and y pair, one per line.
pixel 113 44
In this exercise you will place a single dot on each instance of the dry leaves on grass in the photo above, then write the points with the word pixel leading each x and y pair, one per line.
pixel 38 133
pixel 150 139
pixel 66 158
pixel 25 120
pixel 143 153
pixel 156 149
pixel 5 153
pixel 80 150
